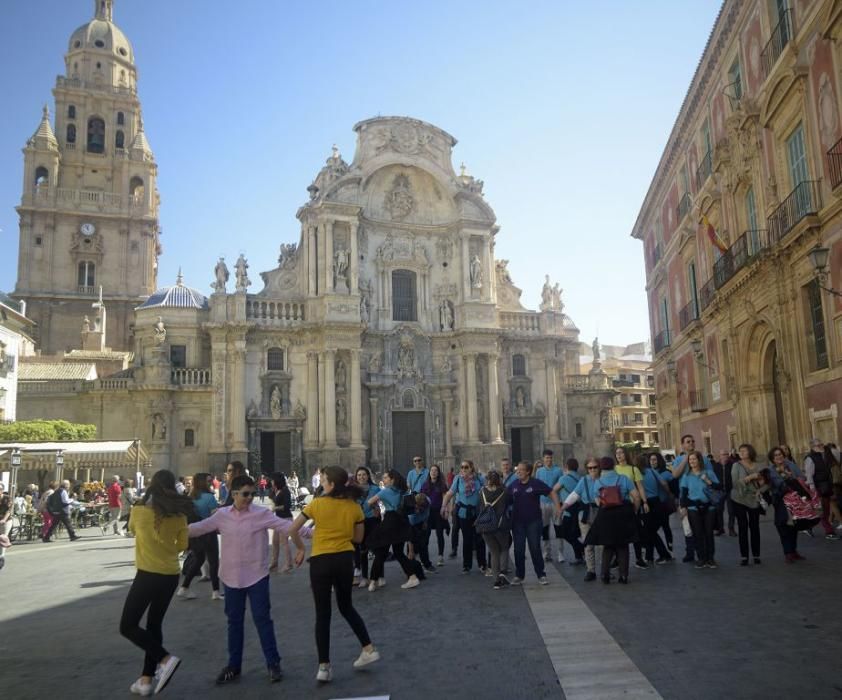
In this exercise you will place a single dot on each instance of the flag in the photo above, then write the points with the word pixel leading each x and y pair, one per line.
pixel 714 238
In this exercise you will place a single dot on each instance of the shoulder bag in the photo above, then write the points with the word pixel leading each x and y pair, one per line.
pixel 488 521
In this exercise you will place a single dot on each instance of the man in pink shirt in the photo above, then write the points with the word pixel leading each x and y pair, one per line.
pixel 115 505
pixel 244 571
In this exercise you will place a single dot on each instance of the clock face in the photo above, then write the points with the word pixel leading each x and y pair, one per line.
pixel 88 229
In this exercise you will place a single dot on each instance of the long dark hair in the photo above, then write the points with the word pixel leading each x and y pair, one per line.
pixel 343 487
pixel 661 463
pixel 398 480
pixel 279 481
pixel 164 499
pixel 200 485
pixel 439 484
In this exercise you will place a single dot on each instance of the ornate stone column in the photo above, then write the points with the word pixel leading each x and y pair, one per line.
pixel 356 406
pixel 312 425
pixel 219 398
pixel 355 259
pixel 330 399
pixel 466 268
pixel 448 426
pixel 312 258
pixel 552 394
pixel 321 399
pixel 237 401
pixel 374 437
pixel 493 400
pixel 471 395
pixel 329 256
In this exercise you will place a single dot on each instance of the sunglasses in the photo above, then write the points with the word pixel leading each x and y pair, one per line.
pixel 246 494
pixel 592 469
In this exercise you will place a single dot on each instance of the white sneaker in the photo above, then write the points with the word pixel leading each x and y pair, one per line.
pixel 544 581
pixel 381 582
pixel 412 582
pixel 517 581
pixel 363 583
pixel 185 593
pixel 560 558
pixel 366 658
pixel 139 688
pixel 372 586
pixel 216 595
pixel 324 674
pixel 357 573
pixel 165 672
pixel 440 561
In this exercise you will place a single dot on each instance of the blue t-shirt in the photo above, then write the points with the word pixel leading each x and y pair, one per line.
pixel 680 460
pixel 415 479
pixel 569 482
pixel 419 518
pixel 550 476
pixel 368 511
pixel 390 497
pixel 205 504
pixel 693 488
pixel 586 490
pixel 612 478
pixel 651 479
pixel 462 497
pixel 510 479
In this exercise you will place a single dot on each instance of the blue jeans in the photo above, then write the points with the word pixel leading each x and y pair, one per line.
pixel 524 533
pixel 235 611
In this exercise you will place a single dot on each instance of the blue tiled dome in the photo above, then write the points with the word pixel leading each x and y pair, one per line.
pixel 176 297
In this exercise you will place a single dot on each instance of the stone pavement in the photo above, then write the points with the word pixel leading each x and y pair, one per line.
pixel 674 632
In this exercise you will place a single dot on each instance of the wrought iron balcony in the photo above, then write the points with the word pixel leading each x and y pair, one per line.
pixel 704 170
pixel 661 341
pixel 834 163
pixel 698 401
pixel 803 201
pixel 688 314
pixel 683 206
pixel 781 35
pixel 744 250
pixel 706 294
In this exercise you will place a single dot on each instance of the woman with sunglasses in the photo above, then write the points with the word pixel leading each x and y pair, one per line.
pixel 244 570
pixel 585 493
pixel 371 515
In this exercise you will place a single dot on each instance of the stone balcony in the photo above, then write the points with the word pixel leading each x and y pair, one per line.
pixel 275 313
pixel 93 201
pixel 79 84
pixel 534 323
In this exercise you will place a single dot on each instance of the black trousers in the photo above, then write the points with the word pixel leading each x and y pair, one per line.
pixel 64 519
pixel 471 542
pixel 378 568
pixel 436 523
pixel 652 522
pixel 202 548
pixel 569 532
pixel 152 592
pixel 702 523
pixel 748 521
pixel 789 537
pixel 361 551
pixel 622 555
pixel 334 572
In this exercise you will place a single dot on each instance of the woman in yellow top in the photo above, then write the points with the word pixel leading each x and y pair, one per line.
pixel 627 469
pixel 159 524
pixel 340 524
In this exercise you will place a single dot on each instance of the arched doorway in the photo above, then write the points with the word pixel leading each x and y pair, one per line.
pixel 776 425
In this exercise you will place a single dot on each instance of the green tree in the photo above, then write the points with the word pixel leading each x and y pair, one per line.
pixel 46 431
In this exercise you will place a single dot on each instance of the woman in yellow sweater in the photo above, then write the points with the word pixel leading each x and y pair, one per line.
pixel 159 524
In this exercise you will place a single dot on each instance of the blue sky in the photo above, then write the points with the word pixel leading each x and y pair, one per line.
pixel 562 108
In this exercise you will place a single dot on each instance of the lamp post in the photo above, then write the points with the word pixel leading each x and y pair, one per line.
pixel 818 256
pixel 59 466
pixel 13 486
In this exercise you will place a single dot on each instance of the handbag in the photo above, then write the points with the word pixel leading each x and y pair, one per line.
pixel 714 496
pixel 610 496
pixel 487 521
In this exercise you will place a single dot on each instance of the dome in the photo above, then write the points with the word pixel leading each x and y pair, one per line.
pixel 176 297
pixel 102 35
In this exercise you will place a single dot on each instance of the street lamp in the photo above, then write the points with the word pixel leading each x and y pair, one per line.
pixel 13 486
pixel 59 465
pixel 818 258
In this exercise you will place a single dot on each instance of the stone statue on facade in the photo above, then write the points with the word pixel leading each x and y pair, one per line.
pixel 341 414
pixel 546 295
pixel 365 311
pixel 446 315
pixel 159 427
pixel 341 260
pixel 446 365
pixel 556 298
pixel 300 411
pixel 160 332
pixel 288 255
pixel 86 325
pixel 520 397
pixel 476 272
pixel 275 408
pixel 595 348
pixel 374 363
pixel 241 271
pixel 604 425
pixel 406 356
pixel 221 274
pixel 252 410
pixel 341 376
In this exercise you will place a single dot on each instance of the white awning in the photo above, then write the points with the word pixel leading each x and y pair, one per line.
pixel 85 453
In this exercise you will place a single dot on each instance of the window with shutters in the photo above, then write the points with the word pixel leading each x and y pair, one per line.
pixel 275 359
pixel 518 366
pixel 404 306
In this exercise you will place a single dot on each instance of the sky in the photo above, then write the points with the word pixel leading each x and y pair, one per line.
pixel 562 109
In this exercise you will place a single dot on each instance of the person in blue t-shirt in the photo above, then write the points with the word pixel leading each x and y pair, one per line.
pixel 507 474
pixel 417 475
pixel 614 526
pixel 569 529
pixel 204 548
pixel 697 485
pixel 466 490
pixel 654 488
pixel 584 494
pixel 679 466
pixel 550 474
pixel 372 520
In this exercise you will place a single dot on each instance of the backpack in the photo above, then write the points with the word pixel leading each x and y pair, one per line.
pixel 406 507
pixel 55 506
pixel 610 496
pixel 487 520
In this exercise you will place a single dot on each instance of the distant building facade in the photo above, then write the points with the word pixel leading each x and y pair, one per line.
pixel 16 332
pixel 747 344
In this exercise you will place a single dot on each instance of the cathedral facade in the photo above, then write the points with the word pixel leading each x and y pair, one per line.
pixel 387 330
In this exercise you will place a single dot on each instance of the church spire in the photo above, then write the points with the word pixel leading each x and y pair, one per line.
pixel 44 138
pixel 104 9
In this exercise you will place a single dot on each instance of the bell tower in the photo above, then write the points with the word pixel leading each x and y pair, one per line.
pixel 89 210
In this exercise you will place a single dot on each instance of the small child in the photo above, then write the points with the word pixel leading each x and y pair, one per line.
pixel 418 544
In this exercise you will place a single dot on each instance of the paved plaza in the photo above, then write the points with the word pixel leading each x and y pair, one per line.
pixel 674 632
